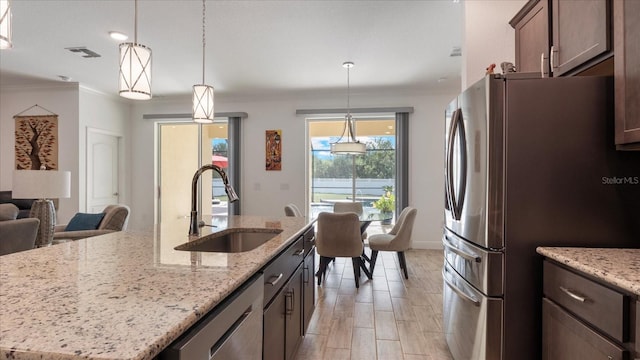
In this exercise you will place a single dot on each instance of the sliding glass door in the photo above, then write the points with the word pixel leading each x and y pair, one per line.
pixel 368 178
pixel 183 147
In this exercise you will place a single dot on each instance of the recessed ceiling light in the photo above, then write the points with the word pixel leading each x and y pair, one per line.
pixel 116 35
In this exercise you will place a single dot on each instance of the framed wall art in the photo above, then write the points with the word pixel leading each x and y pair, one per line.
pixel 273 150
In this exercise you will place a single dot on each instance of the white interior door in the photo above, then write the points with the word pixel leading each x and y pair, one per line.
pixel 103 154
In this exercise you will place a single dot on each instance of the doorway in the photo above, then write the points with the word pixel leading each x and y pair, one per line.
pixel 183 147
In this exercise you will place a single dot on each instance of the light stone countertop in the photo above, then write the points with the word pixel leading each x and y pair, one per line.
pixel 619 267
pixel 124 295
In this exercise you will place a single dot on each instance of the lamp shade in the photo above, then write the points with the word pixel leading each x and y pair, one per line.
pixel 346 148
pixel 135 71
pixel 203 104
pixel 41 184
pixel 5 24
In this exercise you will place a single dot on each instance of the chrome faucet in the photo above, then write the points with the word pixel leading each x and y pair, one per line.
pixel 193 227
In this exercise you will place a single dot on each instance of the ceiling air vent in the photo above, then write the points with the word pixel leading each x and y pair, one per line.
pixel 84 52
pixel 455 51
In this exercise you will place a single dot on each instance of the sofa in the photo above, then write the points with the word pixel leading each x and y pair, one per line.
pixel 24 205
pixel 16 234
pixel 116 218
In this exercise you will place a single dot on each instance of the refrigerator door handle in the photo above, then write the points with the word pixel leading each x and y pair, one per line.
pixel 448 171
pixel 471 257
pixel 457 127
pixel 458 291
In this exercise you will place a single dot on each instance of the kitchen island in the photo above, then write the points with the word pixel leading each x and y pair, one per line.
pixel 124 295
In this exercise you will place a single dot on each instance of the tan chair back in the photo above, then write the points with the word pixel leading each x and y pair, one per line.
pixel 342 207
pixel 338 235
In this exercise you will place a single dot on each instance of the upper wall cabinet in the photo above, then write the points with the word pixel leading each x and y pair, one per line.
pixel 531 26
pixel 626 33
pixel 580 34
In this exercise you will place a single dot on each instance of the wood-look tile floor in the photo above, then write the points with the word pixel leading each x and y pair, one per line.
pixel 388 317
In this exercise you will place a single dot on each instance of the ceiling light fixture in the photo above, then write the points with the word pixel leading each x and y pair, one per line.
pixel 117 35
pixel 351 145
pixel 202 93
pixel 135 66
pixel 5 24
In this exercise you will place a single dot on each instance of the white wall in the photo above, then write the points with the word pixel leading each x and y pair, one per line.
pixel 77 109
pixel 487 37
pixel 61 99
pixel 109 114
pixel 266 192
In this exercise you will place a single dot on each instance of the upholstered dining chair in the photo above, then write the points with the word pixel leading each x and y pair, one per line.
pixel 292 210
pixel 338 235
pixel 356 207
pixel 398 239
pixel 114 218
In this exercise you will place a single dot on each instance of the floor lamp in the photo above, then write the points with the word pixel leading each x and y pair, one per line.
pixel 42 185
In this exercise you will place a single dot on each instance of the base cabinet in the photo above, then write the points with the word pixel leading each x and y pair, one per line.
pixel 289 299
pixel 565 337
pixel 584 318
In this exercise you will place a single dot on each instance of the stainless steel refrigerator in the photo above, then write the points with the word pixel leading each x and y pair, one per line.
pixel 528 162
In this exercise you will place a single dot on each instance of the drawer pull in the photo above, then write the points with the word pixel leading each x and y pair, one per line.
pixel 573 295
pixel 299 253
pixel 468 256
pixel 276 280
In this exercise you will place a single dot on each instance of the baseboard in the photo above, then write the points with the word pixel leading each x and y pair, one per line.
pixel 432 245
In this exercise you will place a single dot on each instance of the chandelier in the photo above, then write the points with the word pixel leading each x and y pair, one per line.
pixel 350 145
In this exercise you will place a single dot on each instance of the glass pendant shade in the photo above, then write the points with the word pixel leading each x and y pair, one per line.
pixel 203 104
pixel 135 71
pixel 5 24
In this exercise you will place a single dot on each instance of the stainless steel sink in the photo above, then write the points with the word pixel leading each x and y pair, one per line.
pixel 231 240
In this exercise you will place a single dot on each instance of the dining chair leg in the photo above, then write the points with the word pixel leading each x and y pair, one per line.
pixel 403 263
pixel 356 270
pixel 374 257
pixel 363 266
pixel 322 268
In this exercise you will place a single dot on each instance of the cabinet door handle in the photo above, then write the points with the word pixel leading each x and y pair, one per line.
pixel 305 275
pixel 552 55
pixel 289 302
pixel 573 295
pixel 276 280
pixel 542 65
pixel 299 253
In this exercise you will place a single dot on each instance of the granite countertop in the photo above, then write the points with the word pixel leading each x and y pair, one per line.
pixel 619 267
pixel 124 295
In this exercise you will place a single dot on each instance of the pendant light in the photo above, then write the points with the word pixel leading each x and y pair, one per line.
pixel 5 24
pixel 135 66
pixel 351 145
pixel 203 94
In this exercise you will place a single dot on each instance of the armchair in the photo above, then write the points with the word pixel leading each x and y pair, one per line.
pixel 116 218
pixel 16 234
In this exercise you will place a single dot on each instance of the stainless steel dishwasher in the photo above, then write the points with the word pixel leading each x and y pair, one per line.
pixel 232 330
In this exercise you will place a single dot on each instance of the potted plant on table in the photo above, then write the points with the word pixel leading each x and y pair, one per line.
pixel 386 204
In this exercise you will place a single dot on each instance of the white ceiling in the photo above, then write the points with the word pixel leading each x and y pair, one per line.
pixel 253 47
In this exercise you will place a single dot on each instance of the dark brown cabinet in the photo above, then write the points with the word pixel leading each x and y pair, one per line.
pixel 309 289
pixel 626 23
pixel 581 32
pixel 531 26
pixel 289 298
pixel 562 37
pixel 584 319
